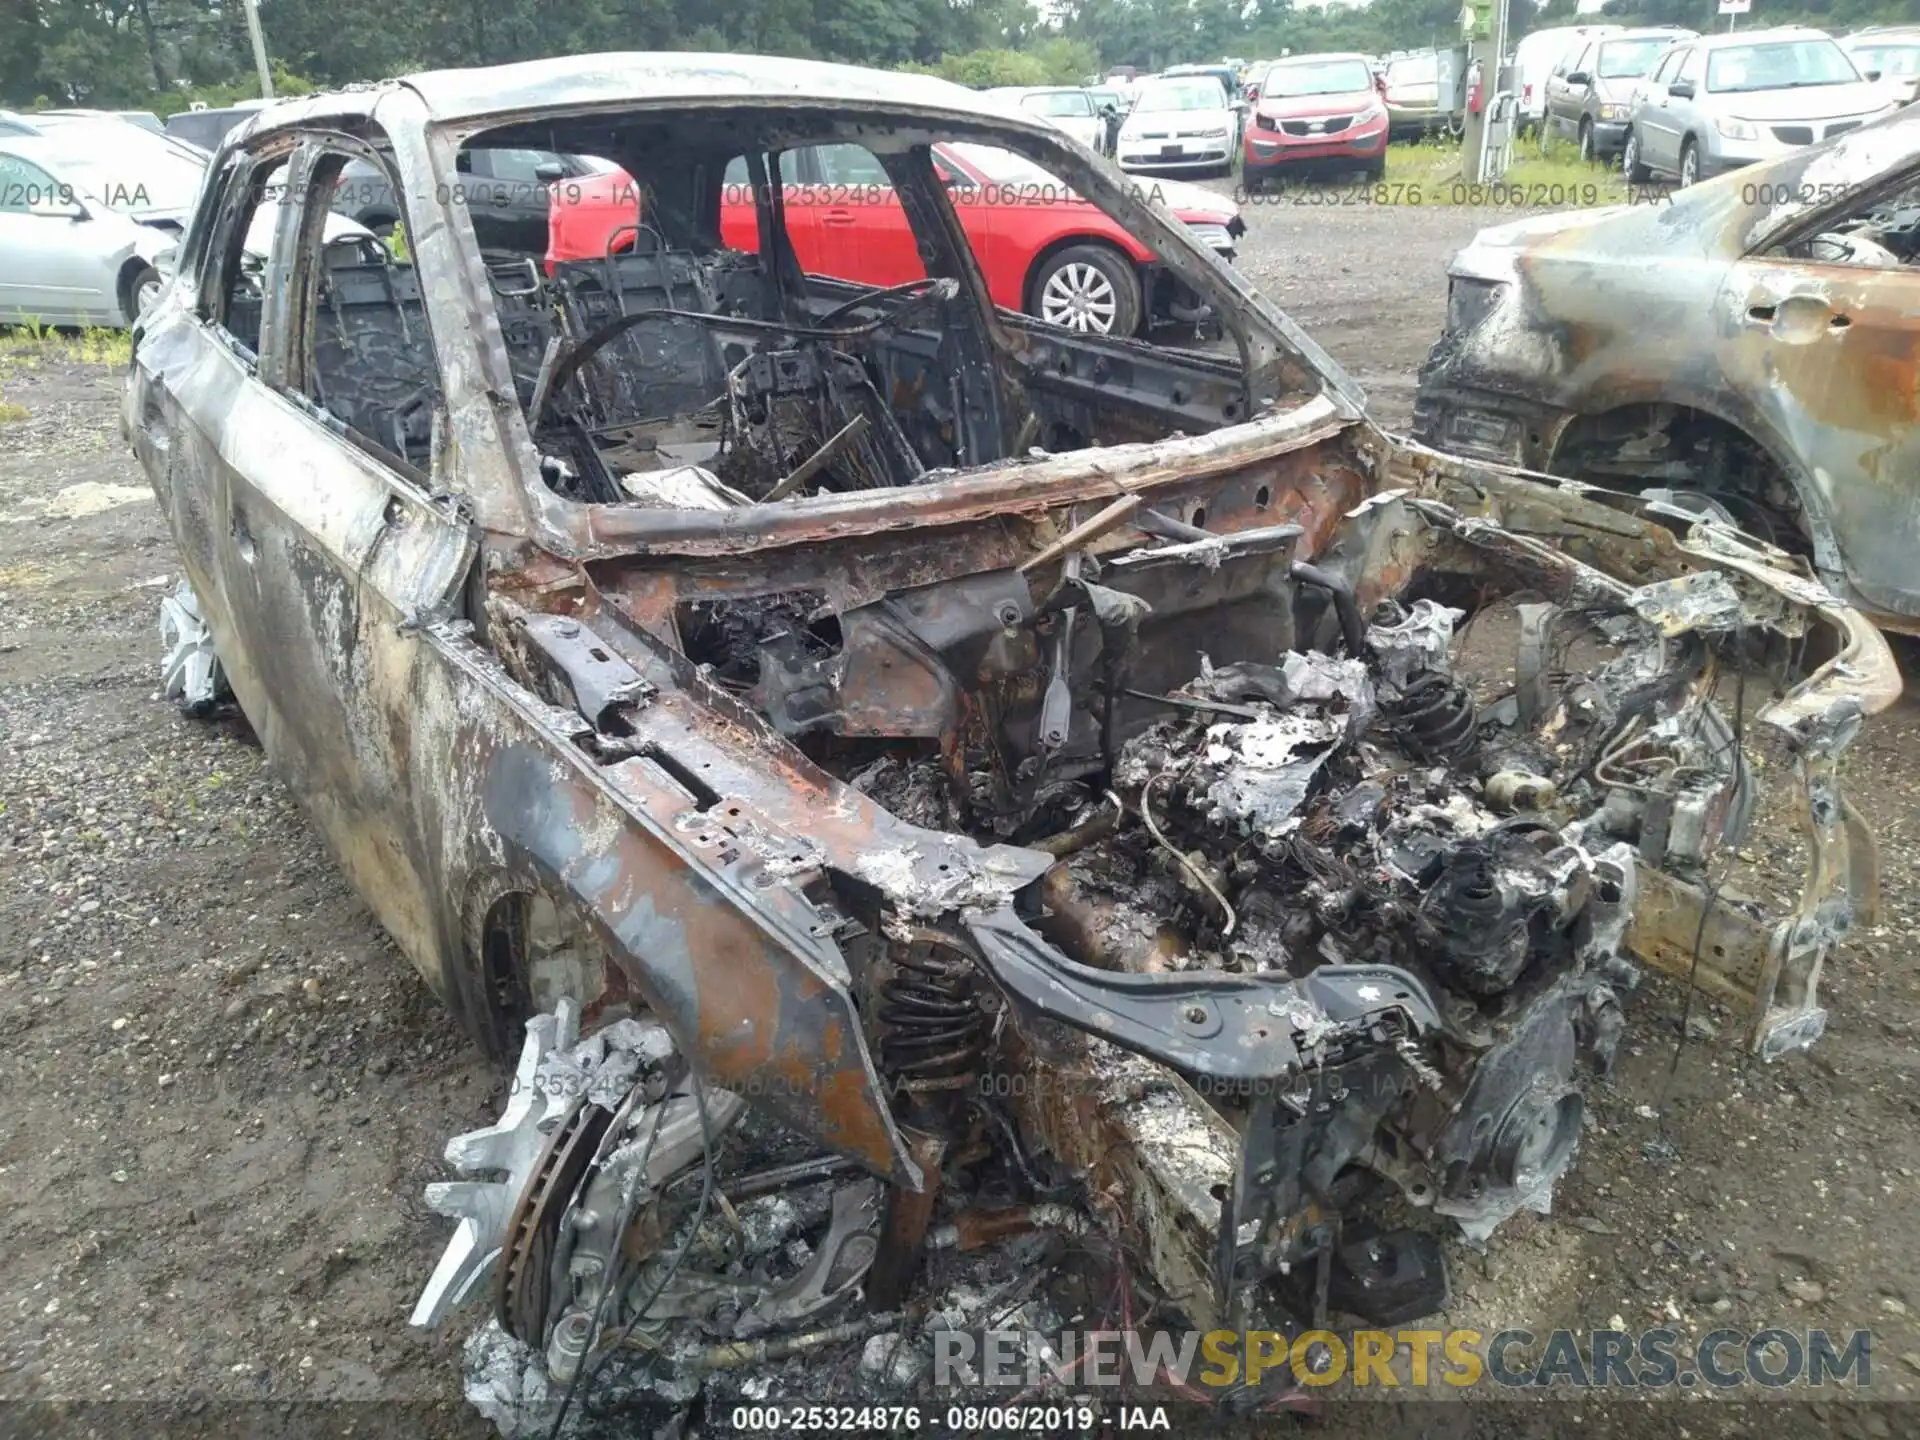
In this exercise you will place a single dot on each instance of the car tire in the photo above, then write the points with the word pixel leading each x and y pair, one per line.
pixel 1586 142
pixel 1637 173
pixel 1689 163
pixel 1089 288
pixel 143 287
pixel 1376 171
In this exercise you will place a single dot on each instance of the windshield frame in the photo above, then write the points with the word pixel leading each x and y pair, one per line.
pixel 1808 44
pixel 1294 388
pixel 1269 89
pixel 1656 47
pixel 1202 87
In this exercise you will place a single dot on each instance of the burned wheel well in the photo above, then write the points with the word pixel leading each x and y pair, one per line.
pixel 521 952
pixel 488 992
pixel 1692 452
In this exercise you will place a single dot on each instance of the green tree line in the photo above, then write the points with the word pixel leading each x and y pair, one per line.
pixel 160 54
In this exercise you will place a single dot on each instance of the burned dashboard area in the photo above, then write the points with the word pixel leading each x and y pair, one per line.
pixel 1177 877
pixel 702 356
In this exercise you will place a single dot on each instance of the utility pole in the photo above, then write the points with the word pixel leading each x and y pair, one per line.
pixel 1484 23
pixel 252 8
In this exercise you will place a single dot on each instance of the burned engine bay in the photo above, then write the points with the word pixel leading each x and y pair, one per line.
pixel 1172 892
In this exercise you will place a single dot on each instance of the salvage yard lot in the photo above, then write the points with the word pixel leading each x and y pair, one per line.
pixel 225 1089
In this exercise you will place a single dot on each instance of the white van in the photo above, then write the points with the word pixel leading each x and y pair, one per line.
pixel 1533 61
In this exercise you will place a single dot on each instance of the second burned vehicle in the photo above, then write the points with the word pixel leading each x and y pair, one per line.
pixel 1746 346
pixel 912 780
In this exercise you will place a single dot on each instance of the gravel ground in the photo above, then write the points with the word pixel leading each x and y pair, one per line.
pixel 225 1089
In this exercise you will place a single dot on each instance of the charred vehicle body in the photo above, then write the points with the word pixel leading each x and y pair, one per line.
pixel 908 779
pixel 1745 348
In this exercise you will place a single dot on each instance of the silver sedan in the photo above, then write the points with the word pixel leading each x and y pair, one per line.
pixel 88 211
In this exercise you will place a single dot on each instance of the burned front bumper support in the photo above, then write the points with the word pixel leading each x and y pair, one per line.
pixel 1685 927
pixel 1483 424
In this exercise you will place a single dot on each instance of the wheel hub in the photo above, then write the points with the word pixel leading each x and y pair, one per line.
pixel 1080 297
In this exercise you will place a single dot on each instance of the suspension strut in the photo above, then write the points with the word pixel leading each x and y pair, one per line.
pixel 932 1035
pixel 933 1031
pixel 1434 715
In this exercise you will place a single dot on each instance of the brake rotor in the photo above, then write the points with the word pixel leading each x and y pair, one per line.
pixel 523 1286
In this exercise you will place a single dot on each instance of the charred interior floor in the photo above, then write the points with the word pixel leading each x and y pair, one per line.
pixel 1189 936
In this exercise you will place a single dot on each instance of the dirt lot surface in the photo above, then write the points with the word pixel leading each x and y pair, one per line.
pixel 224 1089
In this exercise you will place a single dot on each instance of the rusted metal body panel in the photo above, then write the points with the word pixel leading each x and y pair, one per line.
pixel 832 808
pixel 1712 341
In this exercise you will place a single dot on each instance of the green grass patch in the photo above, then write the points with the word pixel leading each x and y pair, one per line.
pixel 98 345
pixel 29 337
pixel 1542 177
pixel 10 413
pixel 29 343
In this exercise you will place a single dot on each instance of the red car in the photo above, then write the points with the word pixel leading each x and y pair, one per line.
pixel 1316 112
pixel 1042 249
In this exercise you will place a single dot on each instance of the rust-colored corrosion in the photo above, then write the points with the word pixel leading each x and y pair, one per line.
pixel 903 1229
pixel 664 720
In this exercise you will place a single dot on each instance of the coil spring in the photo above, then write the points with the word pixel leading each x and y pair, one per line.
pixel 1434 715
pixel 933 1031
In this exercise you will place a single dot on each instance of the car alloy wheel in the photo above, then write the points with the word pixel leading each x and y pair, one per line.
pixel 1080 297
pixel 1689 165
pixel 1586 141
pixel 148 292
pixel 1631 164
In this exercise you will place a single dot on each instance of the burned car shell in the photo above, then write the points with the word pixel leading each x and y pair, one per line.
pixel 481 688
pixel 1669 344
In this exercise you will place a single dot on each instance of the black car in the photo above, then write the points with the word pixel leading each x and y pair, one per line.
pixel 207 128
pixel 504 192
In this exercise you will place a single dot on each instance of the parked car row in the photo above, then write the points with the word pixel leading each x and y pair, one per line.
pixel 1726 101
pixel 1590 95
pixel 1187 118
pixel 1418 89
pixel 1324 112
pixel 1674 103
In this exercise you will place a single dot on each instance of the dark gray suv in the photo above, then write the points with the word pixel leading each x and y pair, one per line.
pixel 1589 96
